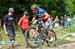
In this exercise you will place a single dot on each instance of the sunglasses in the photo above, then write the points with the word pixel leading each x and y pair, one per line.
pixel 12 12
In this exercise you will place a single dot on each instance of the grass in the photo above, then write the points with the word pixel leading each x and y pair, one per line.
pixel 19 36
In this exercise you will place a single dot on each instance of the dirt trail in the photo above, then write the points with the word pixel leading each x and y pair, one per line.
pixel 64 42
pixel 64 46
pixel 67 42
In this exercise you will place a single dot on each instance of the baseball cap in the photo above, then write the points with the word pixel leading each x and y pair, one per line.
pixel 26 12
pixel 11 9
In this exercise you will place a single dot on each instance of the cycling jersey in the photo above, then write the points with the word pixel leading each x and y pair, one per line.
pixel 42 11
pixel 39 21
pixel 40 16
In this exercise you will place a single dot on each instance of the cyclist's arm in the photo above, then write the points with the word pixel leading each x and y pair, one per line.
pixel 46 14
pixel 34 18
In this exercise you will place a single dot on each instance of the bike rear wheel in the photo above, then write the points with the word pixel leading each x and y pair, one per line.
pixel 48 38
pixel 52 39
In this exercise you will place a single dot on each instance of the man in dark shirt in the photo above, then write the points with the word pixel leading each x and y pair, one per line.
pixel 9 26
pixel 0 22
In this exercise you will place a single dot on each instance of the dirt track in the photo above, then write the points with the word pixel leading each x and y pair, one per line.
pixel 67 42
pixel 64 46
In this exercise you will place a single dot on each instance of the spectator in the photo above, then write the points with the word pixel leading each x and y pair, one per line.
pixel 56 21
pixel 62 21
pixel 9 25
pixel 74 19
pixel 69 21
pixel 50 22
pixel 0 36
pixel 24 23
pixel 0 22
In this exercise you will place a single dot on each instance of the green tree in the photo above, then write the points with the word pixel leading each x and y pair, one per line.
pixel 70 6
pixel 53 7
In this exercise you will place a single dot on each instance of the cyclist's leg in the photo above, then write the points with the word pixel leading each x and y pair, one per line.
pixel 50 34
pixel 33 31
pixel 34 28
pixel 48 29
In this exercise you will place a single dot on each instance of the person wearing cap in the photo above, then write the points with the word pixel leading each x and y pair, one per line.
pixel 24 24
pixel 9 25
pixel 40 13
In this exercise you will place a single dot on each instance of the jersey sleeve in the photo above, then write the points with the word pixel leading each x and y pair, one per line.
pixel 41 11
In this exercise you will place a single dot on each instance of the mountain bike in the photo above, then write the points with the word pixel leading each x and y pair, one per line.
pixel 37 37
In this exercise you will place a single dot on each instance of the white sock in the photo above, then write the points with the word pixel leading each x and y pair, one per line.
pixel 51 39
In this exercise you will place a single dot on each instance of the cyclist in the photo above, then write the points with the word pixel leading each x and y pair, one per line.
pixel 42 19
pixel 9 25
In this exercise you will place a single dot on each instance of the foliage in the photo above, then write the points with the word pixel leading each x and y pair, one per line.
pixel 53 7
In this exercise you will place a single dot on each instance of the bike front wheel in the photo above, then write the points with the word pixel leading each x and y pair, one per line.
pixel 34 40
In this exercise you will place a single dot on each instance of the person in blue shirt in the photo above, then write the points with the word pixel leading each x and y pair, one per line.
pixel 69 21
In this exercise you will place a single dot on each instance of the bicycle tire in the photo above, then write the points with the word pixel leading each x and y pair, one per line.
pixel 53 43
pixel 28 42
pixel 45 37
